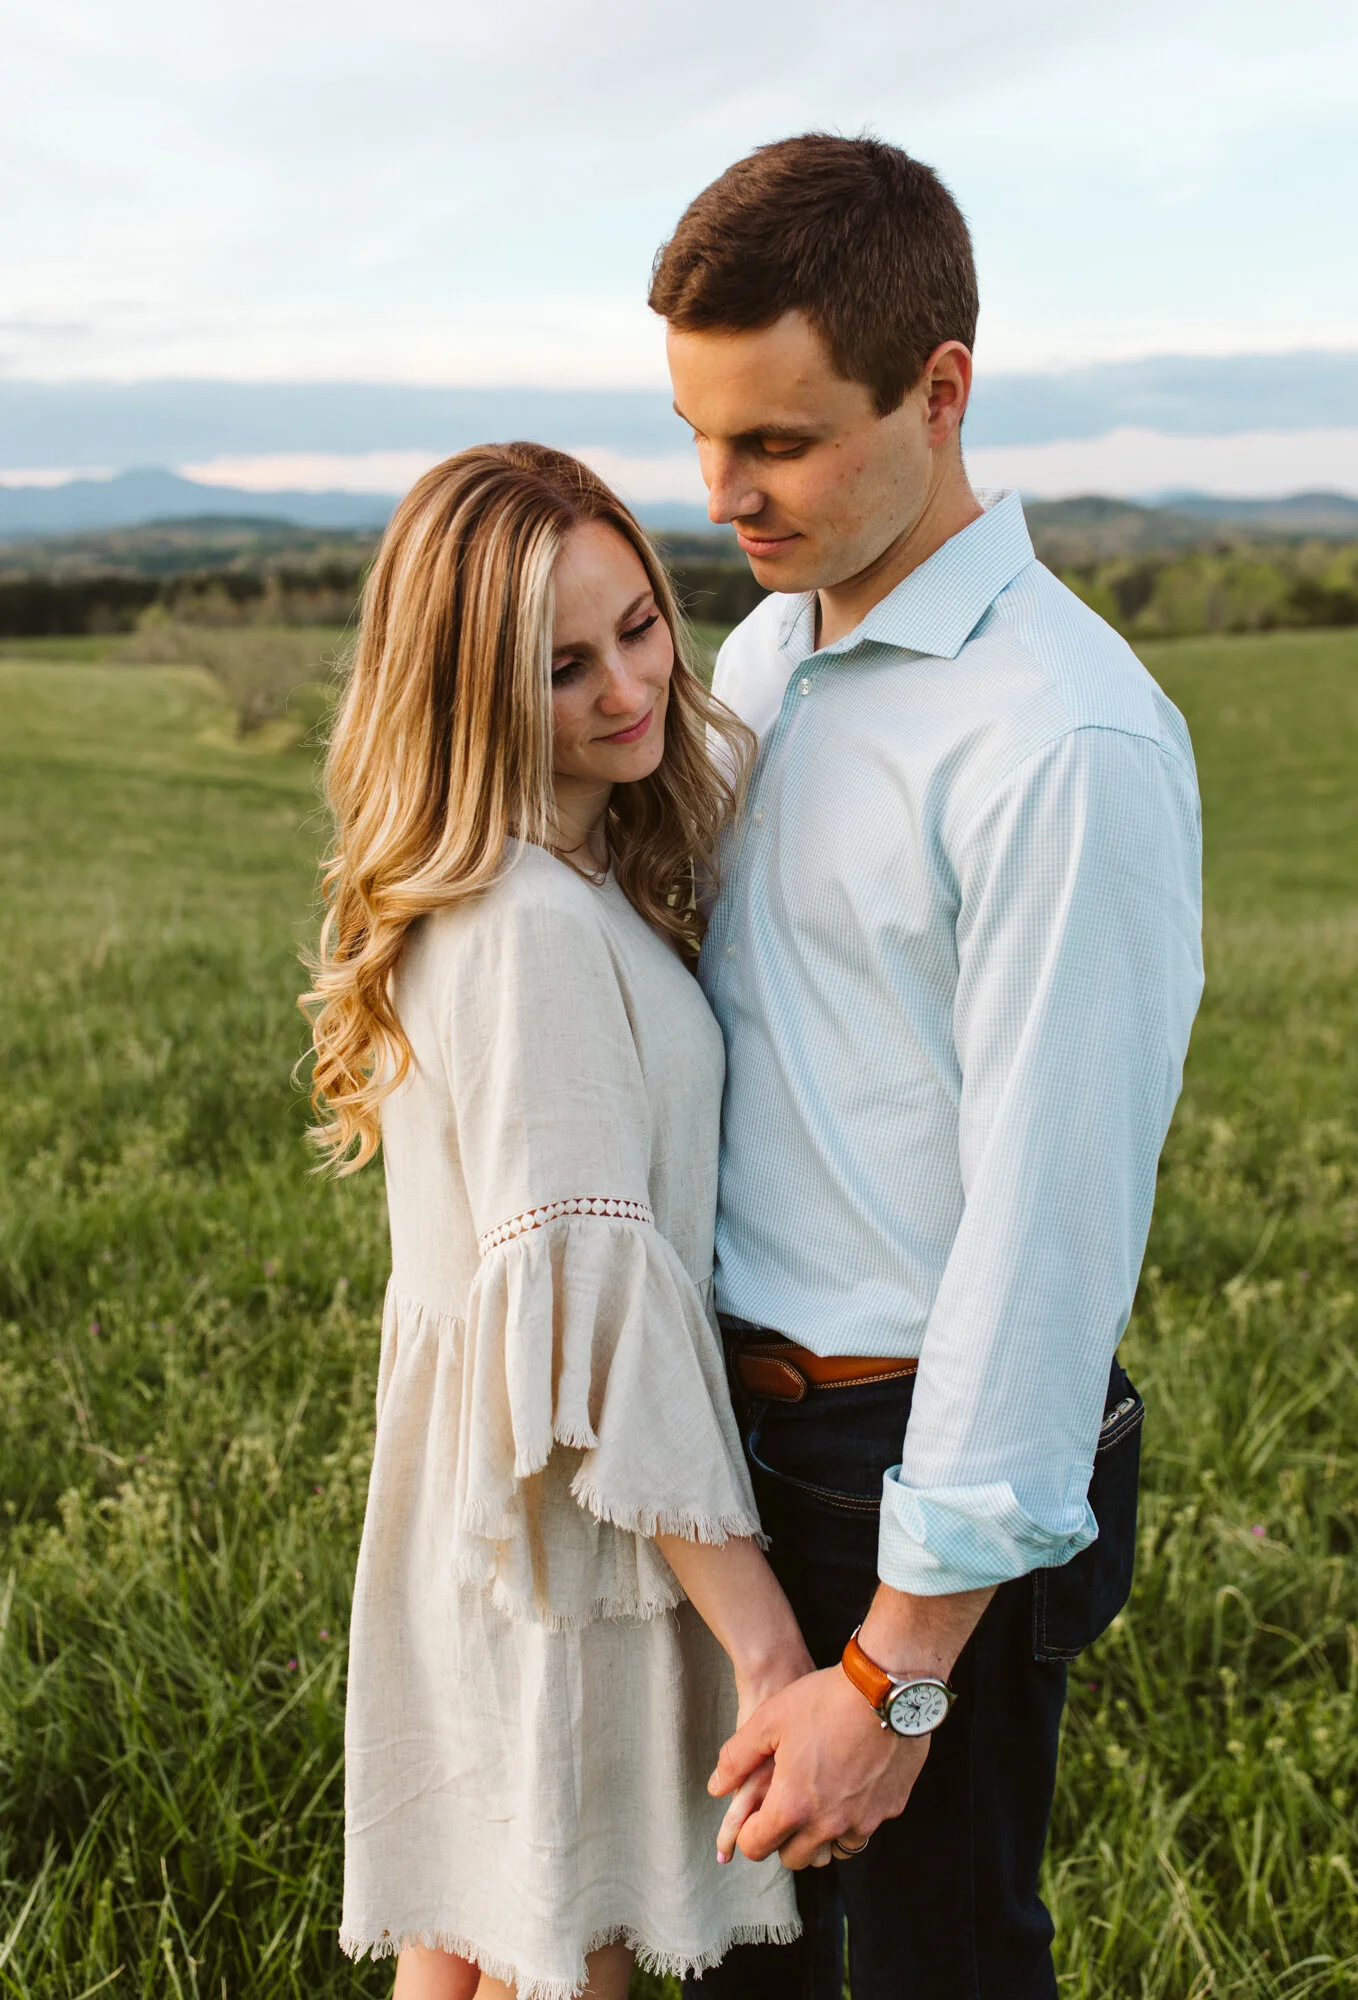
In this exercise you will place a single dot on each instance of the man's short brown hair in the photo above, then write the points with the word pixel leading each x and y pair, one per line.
pixel 863 240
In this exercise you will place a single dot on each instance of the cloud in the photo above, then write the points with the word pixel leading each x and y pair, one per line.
pixel 1138 463
pixel 438 193
pixel 256 425
pixel 671 476
pixel 1130 460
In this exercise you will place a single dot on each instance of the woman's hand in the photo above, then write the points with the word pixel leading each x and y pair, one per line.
pixel 766 1673
pixel 753 1688
pixel 740 1600
pixel 746 1802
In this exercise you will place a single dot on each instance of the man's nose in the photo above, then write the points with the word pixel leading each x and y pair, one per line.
pixel 730 496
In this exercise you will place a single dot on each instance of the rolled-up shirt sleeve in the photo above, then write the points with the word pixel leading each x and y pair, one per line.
pixel 1079 973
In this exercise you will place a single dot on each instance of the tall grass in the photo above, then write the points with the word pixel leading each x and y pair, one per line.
pixel 189 1335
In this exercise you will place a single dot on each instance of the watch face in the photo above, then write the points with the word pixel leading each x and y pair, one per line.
pixel 918 1708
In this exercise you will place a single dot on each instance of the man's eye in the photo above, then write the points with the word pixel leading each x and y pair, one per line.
pixel 784 450
pixel 635 632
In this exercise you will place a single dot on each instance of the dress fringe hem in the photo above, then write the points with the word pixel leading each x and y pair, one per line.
pixel 664 1963
pixel 682 1522
pixel 489 1519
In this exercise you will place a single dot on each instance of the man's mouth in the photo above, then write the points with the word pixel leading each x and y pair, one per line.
pixel 753 543
pixel 633 732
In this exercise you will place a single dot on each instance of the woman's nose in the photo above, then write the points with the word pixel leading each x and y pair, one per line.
pixel 624 691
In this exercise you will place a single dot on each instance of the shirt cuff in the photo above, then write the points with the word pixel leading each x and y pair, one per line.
pixel 948 1538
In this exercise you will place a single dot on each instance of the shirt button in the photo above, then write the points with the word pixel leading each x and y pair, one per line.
pixel 730 951
pixel 759 816
pixel 804 686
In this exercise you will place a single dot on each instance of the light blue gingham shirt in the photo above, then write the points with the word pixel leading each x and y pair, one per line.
pixel 956 957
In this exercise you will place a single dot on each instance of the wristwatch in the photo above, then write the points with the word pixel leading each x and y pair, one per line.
pixel 911 1707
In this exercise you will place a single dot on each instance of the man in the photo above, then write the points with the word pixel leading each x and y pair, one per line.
pixel 956 959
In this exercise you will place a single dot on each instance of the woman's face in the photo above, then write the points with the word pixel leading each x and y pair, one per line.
pixel 612 657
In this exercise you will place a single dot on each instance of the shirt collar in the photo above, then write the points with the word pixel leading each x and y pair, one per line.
pixel 938 606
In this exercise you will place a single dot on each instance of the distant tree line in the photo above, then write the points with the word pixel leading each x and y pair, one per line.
pixel 32 605
pixel 1236 589
pixel 1166 594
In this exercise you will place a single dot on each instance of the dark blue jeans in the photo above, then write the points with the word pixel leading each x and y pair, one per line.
pixel 944 1903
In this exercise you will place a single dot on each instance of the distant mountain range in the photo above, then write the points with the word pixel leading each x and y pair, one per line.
pixel 193 527
pixel 123 425
pixel 1094 528
pixel 134 499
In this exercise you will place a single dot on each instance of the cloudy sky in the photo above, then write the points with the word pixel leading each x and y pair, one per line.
pixel 435 191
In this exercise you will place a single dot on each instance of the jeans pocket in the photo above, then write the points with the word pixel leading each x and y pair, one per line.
pixel 1074 1603
pixel 828 1496
pixel 822 1537
pixel 833 1453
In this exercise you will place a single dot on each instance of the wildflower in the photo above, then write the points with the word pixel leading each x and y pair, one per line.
pixel 324 1633
pixel 94 1326
pixel 1259 1529
pixel 292 1666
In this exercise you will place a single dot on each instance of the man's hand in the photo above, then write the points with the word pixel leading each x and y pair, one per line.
pixel 837 1774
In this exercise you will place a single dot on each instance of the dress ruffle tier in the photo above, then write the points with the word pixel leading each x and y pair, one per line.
pixel 587 1333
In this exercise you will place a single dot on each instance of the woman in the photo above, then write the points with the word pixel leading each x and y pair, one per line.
pixel 522 792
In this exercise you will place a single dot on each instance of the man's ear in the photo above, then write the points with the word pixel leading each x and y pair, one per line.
pixel 947 379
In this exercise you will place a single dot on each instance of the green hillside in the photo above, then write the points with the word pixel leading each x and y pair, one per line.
pixel 189 1348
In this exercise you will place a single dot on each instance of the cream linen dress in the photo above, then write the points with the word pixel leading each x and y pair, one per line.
pixel 533 1706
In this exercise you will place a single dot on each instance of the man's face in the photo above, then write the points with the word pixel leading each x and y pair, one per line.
pixel 818 486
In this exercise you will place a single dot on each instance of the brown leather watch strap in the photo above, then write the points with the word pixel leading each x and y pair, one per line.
pixel 872 1681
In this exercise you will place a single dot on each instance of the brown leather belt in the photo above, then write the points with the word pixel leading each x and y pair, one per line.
pixel 779 1371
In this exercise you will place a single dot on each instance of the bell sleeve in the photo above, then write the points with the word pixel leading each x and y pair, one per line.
pixel 594 1411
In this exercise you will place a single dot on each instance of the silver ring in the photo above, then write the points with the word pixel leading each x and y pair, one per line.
pixel 843 1853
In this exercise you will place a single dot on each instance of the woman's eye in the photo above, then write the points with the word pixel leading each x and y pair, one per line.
pixel 635 632
pixel 567 673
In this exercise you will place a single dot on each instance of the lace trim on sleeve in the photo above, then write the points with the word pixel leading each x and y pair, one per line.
pixel 536 1218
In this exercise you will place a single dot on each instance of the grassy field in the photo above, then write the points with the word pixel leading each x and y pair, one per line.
pixel 189 1348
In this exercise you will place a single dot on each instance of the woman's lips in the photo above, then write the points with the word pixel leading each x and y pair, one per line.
pixel 635 733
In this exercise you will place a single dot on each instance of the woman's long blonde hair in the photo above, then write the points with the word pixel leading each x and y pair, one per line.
pixel 442 749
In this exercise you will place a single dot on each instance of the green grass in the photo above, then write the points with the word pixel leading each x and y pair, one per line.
pixel 189 1347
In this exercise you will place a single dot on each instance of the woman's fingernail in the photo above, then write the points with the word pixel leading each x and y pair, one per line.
pixel 722 1858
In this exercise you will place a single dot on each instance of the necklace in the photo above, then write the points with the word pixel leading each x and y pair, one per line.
pixel 597 876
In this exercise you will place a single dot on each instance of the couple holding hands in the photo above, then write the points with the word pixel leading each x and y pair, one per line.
pixel 752 1452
